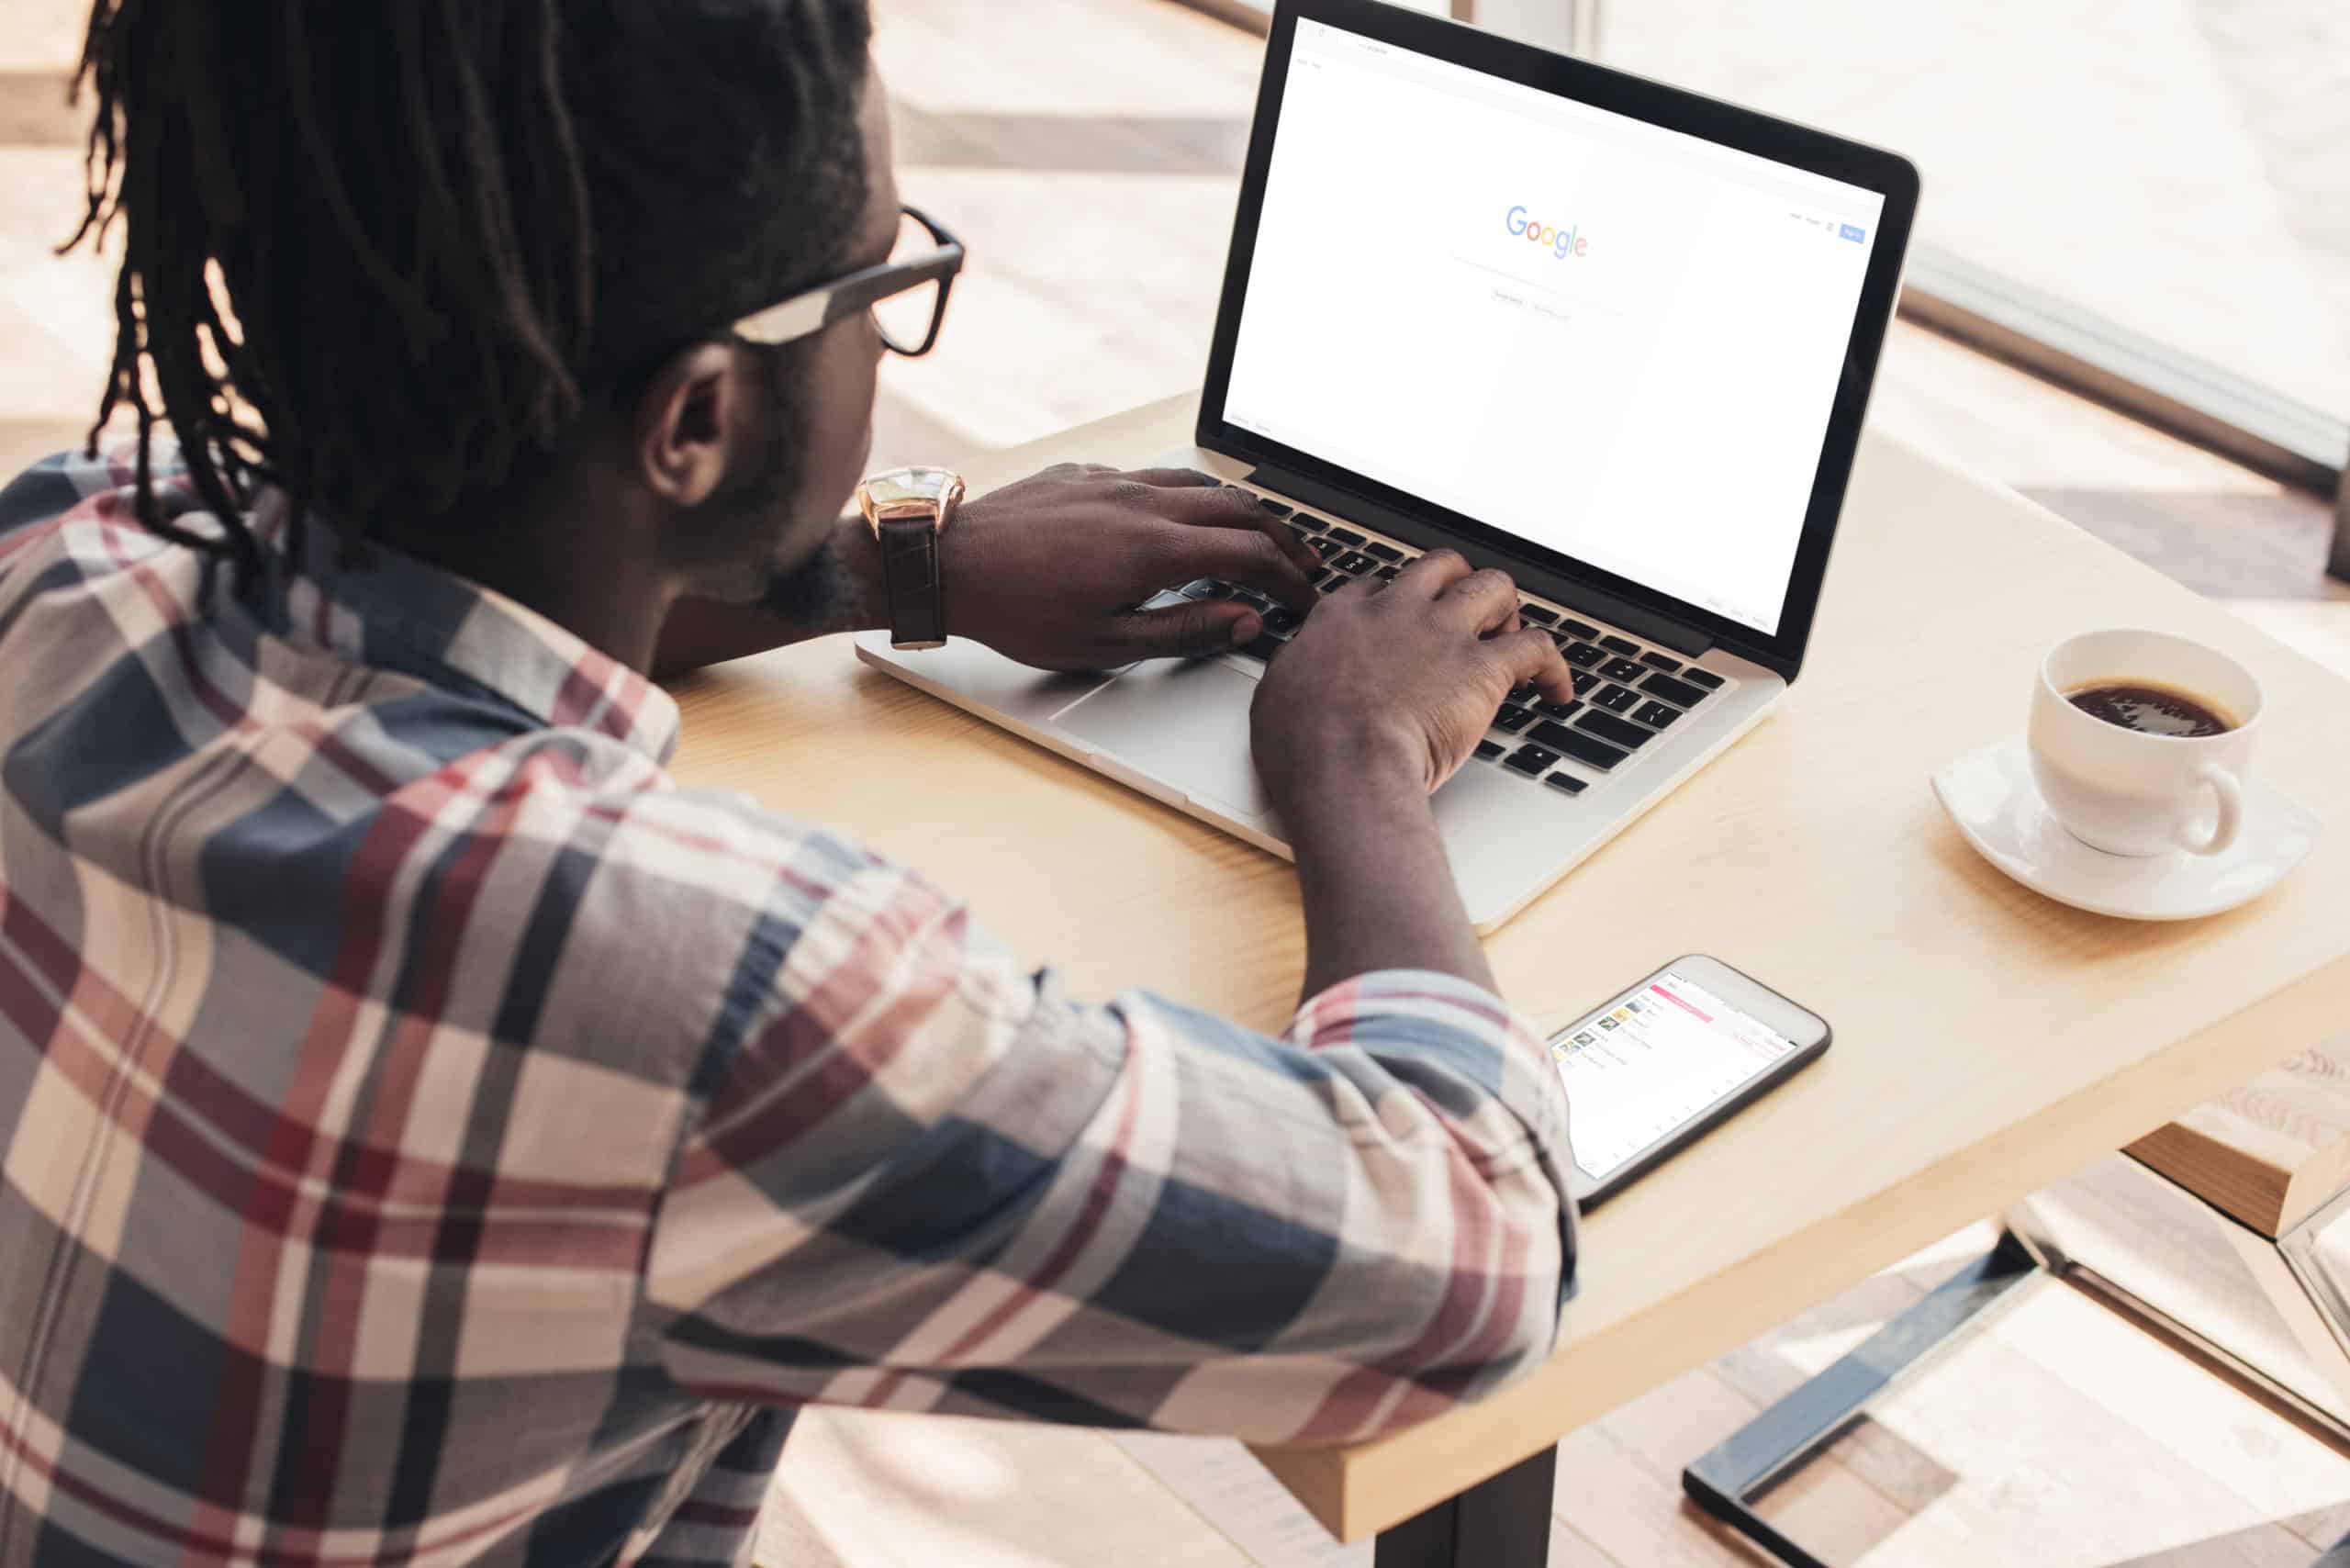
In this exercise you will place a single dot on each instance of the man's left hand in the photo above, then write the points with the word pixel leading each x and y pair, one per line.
pixel 1050 571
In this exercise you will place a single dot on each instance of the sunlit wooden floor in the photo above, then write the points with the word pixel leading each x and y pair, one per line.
pixel 2057 1437
pixel 1085 149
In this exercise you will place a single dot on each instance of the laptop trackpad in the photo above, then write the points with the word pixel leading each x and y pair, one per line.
pixel 1184 722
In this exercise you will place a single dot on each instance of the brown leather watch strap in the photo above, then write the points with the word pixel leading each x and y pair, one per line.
pixel 910 577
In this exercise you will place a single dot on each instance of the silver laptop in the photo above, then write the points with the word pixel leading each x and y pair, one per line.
pixel 1611 337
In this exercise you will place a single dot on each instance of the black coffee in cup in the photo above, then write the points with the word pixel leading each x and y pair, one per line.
pixel 2152 710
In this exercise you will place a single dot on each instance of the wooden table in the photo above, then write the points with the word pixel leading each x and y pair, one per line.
pixel 1988 1041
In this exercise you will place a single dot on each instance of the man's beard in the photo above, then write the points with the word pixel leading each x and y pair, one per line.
pixel 816 593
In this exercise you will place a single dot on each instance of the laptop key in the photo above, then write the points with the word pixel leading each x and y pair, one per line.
pixel 1387 552
pixel 1616 700
pixel 1314 578
pixel 1523 696
pixel 1355 561
pixel 1704 678
pixel 1622 669
pixel 1574 628
pixel 1284 620
pixel 1535 613
pixel 1621 644
pixel 1509 720
pixel 1252 598
pixel 1488 750
pixel 1583 656
pixel 1389 574
pixel 1298 529
pixel 1557 710
pixel 1658 714
pixel 1324 547
pixel 1531 760
pixel 1566 782
pixel 1609 727
pixel 1549 733
pixel 1585 681
pixel 1658 661
pixel 1591 751
pixel 1678 692
pixel 1278 508
pixel 1334 582
pixel 1345 535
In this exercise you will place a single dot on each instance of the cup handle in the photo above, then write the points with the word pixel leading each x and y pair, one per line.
pixel 2231 796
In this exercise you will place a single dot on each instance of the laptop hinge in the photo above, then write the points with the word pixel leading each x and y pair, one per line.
pixel 1531 575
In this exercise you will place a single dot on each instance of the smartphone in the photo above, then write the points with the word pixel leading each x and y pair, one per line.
pixel 1655 1066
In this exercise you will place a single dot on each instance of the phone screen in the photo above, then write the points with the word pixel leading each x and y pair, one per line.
pixel 1643 1067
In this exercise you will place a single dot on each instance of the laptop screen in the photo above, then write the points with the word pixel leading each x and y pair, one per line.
pixel 1613 340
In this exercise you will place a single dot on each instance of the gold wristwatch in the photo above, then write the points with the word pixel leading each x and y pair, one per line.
pixel 908 509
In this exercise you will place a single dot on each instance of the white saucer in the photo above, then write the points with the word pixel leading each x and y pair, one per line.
pixel 1991 795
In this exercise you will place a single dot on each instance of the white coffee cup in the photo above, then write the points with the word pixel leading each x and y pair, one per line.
pixel 2127 791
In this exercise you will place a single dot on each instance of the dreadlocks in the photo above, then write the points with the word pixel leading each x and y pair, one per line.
pixel 383 252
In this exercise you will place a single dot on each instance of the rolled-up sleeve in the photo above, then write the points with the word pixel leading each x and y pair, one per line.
pixel 925 1180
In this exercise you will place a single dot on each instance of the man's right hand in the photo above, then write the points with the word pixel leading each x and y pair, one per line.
pixel 1396 681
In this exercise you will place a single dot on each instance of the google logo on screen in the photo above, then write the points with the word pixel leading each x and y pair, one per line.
pixel 1561 242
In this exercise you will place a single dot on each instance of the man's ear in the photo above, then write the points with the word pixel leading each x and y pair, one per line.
pixel 683 423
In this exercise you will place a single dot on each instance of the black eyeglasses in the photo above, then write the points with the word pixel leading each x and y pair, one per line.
pixel 907 293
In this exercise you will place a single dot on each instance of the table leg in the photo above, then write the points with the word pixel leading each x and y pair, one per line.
pixel 2338 557
pixel 1502 1522
pixel 1726 1482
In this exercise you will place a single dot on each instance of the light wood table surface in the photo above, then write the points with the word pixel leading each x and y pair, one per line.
pixel 1988 1041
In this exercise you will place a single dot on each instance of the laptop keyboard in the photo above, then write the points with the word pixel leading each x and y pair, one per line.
pixel 1627 693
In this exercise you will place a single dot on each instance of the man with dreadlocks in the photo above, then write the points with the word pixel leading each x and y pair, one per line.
pixel 425 1134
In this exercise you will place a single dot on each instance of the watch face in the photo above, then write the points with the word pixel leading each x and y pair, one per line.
pixel 904 493
pixel 901 485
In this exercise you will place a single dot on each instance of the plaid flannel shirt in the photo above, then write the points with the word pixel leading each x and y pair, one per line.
pixel 431 1136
